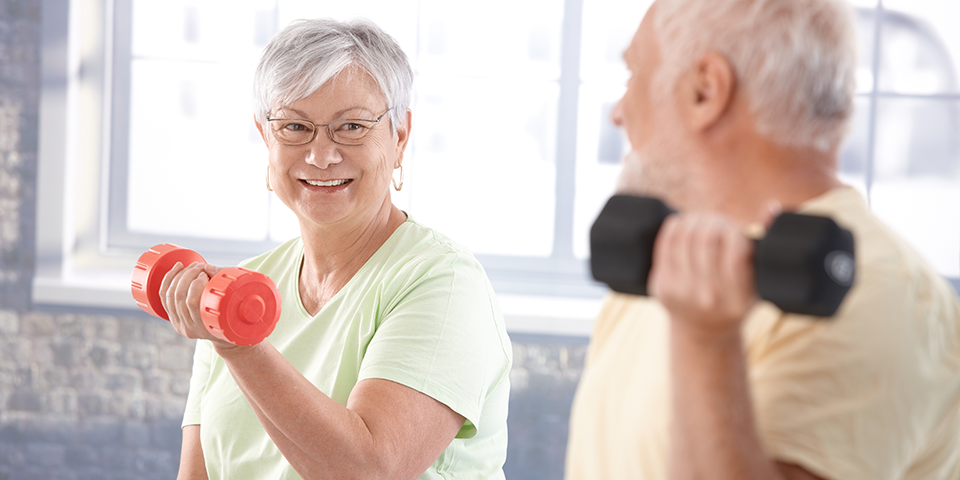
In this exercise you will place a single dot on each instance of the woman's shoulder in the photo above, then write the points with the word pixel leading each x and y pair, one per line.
pixel 281 256
pixel 417 237
pixel 417 246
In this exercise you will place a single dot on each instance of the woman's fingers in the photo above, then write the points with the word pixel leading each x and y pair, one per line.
pixel 182 294
pixel 168 279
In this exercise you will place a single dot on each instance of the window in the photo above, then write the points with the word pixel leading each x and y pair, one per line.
pixel 147 134
pixel 904 151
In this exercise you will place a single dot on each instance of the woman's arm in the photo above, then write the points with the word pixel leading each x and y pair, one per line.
pixel 387 430
pixel 192 466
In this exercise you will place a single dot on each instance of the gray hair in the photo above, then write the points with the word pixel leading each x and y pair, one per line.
pixel 305 55
pixel 795 60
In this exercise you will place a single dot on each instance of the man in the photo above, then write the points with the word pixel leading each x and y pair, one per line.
pixel 736 109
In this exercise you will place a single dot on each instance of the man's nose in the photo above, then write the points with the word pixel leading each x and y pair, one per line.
pixel 616 115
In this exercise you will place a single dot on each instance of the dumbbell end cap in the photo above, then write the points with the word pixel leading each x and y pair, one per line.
pixel 240 306
pixel 149 271
pixel 621 242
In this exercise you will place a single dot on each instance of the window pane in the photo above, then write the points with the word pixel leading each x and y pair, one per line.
pixel 484 163
pixel 494 38
pixel 601 146
pixel 608 28
pixel 916 184
pixel 196 160
pixel 213 30
pixel 865 21
pixel 920 46
pixel 396 17
pixel 854 154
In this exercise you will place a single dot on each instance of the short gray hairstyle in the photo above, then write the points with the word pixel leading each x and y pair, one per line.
pixel 305 55
pixel 795 60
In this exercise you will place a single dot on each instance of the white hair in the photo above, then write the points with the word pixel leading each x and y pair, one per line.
pixel 794 59
pixel 305 55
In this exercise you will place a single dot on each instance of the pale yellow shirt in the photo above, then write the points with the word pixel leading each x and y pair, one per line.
pixel 420 312
pixel 872 394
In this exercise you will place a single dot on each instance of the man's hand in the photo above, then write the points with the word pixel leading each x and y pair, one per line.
pixel 703 272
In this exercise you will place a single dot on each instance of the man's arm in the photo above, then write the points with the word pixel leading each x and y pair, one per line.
pixel 703 274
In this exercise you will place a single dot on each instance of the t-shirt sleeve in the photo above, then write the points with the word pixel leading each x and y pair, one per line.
pixel 850 397
pixel 443 336
pixel 198 382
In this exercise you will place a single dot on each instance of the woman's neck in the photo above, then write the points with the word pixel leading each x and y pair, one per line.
pixel 333 254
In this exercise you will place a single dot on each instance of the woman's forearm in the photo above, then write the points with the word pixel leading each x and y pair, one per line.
pixel 192 466
pixel 318 436
pixel 387 430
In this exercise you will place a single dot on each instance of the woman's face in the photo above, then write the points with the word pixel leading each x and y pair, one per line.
pixel 324 182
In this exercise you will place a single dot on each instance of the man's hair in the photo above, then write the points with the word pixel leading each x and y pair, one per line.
pixel 305 55
pixel 794 59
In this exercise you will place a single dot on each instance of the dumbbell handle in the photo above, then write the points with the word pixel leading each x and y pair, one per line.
pixel 804 264
pixel 237 305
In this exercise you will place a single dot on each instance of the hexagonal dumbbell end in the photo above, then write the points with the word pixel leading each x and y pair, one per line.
pixel 149 272
pixel 805 264
pixel 240 306
pixel 621 242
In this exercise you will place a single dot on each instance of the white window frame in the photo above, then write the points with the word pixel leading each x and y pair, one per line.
pixel 76 266
pixel 83 261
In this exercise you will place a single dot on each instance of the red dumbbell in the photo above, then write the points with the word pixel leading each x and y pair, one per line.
pixel 238 305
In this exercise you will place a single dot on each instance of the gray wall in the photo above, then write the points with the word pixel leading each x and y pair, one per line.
pixel 99 394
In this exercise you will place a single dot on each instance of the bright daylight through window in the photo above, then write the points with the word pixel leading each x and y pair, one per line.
pixel 512 153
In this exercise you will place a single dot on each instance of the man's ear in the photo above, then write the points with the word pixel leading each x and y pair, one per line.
pixel 706 92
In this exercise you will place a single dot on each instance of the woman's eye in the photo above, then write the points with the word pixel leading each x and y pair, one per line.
pixel 351 127
pixel 295 127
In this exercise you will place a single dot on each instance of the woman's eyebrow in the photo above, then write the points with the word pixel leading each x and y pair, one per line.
pixel 337 116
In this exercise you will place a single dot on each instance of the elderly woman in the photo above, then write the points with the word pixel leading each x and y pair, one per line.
pixel 390 358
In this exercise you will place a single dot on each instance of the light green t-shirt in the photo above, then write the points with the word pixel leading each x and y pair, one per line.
pixel 420 312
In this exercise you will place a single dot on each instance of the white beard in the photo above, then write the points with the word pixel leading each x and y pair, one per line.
pixel 661 169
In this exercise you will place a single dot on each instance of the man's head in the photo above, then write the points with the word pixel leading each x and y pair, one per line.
pixel 790 64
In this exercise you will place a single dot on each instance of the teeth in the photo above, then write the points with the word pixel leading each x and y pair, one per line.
pixel 332 183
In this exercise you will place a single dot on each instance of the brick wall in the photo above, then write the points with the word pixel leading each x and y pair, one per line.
pixel 99 395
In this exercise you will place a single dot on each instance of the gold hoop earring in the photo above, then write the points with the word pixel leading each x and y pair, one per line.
pixel 395 186
pixel 267 176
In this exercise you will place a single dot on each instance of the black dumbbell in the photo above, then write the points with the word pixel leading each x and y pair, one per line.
pixel 804 264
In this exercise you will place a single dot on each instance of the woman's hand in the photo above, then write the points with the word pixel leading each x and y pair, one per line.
pixel 180 293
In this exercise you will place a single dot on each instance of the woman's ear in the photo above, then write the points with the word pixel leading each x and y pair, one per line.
pixel 260 129
pixel 706 92
pixel 403 133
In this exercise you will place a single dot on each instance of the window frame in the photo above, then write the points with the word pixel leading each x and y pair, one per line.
pixel 84 257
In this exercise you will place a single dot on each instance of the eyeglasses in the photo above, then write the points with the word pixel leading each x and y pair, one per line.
pixel 345 131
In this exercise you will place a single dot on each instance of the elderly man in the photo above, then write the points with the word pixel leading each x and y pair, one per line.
pixel 736 109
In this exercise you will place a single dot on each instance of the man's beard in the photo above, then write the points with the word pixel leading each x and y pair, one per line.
pixel 659 169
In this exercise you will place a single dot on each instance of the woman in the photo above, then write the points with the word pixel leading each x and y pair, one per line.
pixel 390 359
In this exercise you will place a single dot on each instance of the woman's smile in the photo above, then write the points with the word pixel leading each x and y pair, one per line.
pixel 328 183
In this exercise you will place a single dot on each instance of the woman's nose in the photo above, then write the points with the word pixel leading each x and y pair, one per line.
pixel 323 151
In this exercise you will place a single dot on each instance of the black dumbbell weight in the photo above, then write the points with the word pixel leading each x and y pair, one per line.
pixel 804 264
